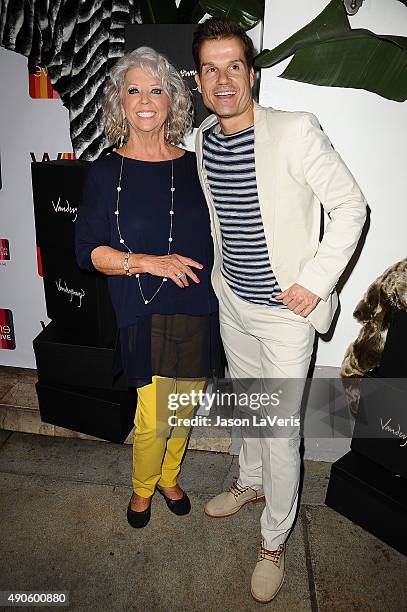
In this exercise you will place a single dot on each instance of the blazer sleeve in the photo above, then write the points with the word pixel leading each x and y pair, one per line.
pixel 343 201
pixel 92 224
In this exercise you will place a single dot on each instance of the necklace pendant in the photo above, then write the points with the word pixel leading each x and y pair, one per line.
pixel 145 301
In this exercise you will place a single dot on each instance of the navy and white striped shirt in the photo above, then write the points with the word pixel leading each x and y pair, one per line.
pixel 230 168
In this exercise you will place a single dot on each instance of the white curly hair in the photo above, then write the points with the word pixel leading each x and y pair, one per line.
pixel 180 116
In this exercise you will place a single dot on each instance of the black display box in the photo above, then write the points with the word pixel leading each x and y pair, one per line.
pixel 393 362
pixel 101 413
pixel 62 360
pixel 380 431
pixel 371 497
pixel 78 300
pixel 57 192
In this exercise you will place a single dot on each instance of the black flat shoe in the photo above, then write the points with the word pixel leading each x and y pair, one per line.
pixel 138 519
pixel 177 506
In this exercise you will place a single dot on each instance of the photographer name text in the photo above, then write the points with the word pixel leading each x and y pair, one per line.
pixel 254 421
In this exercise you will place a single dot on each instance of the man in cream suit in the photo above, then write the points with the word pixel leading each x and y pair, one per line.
pixel 264 174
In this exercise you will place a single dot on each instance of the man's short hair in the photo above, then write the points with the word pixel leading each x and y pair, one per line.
pixel 217 28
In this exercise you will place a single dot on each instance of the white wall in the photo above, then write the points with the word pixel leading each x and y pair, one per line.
pixel 26 125
pixel 370 134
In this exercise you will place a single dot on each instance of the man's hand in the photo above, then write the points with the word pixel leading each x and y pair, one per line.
pixel 299 299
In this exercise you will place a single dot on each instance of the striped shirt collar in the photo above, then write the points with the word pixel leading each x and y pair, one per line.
pixel 216 130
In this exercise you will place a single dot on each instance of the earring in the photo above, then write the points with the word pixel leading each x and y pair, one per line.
pixel 123 132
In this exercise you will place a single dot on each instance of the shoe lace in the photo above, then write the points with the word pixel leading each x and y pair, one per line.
pixel 236 489
pixel 271 555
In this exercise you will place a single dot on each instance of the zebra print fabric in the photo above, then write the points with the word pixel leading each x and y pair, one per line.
pixel 78 41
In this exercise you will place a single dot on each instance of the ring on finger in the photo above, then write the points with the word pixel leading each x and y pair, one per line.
pixel 180 274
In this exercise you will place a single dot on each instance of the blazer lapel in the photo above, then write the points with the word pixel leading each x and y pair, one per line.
pixel 216 233
pixel 265 153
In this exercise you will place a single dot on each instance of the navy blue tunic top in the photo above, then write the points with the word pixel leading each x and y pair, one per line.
pixel 145 201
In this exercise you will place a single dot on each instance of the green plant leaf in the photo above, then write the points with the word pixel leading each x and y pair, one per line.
pixel 331 22
pixel 158 11
pixel 328 52
pixel 190 11
pixel 246 12
pixel 360 60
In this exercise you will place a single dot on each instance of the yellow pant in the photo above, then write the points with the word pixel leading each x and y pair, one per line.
pixel 158 447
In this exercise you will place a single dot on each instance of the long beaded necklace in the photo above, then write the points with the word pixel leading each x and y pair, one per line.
pixel 170 237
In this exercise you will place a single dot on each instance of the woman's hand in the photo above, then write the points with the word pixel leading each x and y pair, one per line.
pixel 169 266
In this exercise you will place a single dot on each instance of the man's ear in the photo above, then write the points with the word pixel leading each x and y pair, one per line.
pixel 198 82
pixel 251 76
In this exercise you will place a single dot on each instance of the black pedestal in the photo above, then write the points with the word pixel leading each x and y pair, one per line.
pixel 101 413
pixel 380 432
pixel 75 353
pixel 78 300
pixel 57 191
pixel 371 497
pixel 62 359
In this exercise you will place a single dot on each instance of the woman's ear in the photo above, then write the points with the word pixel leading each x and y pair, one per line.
pixel 251 76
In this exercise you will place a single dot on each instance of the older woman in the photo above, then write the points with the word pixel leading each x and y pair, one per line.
pixel 144 223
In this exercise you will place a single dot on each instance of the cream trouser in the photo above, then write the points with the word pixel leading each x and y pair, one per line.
pixel 264 342
pixel 158 447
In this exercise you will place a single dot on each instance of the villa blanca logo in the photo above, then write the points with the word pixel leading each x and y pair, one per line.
pixel 187 73
pixel 7 337
pixel 4 250
pixel 65 207
pixel 395 431
pixel 73 293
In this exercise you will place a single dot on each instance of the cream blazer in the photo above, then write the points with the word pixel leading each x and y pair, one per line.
pixel 297 169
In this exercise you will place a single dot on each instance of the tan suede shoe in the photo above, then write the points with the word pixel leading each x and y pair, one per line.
pixel 268 575
pixel 231 501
